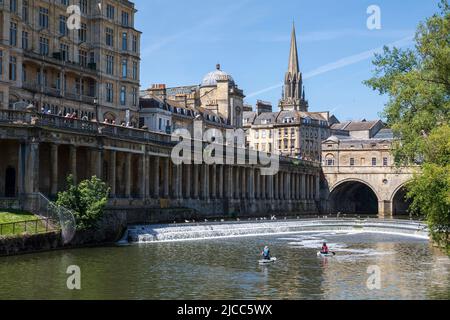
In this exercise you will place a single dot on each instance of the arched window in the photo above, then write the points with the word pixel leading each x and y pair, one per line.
pixel 330 160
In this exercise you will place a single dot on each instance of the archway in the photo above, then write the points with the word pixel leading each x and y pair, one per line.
pixel 400 203
pixel 10 182
pixel 354 197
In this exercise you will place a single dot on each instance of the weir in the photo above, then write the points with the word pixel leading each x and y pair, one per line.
pixel 201 231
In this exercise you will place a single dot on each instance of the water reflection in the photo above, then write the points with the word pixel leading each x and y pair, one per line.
pixel 229 269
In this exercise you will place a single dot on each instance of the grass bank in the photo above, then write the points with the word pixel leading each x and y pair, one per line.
pixel 19 222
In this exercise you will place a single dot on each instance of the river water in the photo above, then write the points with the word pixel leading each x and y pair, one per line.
pixel 228 269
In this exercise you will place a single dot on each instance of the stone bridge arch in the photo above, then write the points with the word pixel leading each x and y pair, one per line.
pixel 349 188
pixel 354 196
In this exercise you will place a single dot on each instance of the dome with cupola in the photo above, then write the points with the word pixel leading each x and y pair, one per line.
pixel 211 78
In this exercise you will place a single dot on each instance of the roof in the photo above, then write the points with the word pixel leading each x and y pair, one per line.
pixel 217 75
pixel 355 125
pixel 384 134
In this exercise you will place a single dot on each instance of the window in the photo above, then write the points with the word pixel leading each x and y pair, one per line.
pixel 109 37
pixel 13 34
pixel 124 68
pixel 135 70
pixel 125 19
pixel 123 95
pixel 12 68
pixel 385 162
pixel 64 48
pixel 124 41
pixel 352 162
pixel 43 18
pixel 62 25
pixel 160 124
pixel 83 6
pixel 110 64
pixel 109 93
pixel 110 12
pixel 24 40
pixel 374 162
pixel 135 43
pixel 25 10
pixel 82 33
pixel 43 46
pixel 13 6
pixel 82 57
pixel 135 97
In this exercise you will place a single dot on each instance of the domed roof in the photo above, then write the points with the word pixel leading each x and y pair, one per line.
pixel 211 78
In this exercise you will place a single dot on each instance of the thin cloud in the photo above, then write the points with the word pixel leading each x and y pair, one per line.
pixel 213 20
pixel 340 64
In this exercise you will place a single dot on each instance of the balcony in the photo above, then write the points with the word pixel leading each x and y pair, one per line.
pixel 56 59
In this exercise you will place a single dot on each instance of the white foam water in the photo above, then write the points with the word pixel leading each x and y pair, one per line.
pixel 322 228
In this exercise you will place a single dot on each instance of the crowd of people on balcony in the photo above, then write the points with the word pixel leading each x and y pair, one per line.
pixel 84 117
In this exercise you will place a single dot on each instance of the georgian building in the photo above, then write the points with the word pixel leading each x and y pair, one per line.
pixel 217 102
pixel 92 70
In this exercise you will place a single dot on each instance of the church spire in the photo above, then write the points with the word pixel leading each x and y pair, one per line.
pixel 293 67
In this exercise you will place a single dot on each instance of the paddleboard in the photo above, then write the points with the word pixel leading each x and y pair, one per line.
pixel 264 261
pixel 331 254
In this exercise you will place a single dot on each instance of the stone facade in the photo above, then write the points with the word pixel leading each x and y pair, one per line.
pixel 137 166
pixel 93 71
pixel 217 101
pixel 360 173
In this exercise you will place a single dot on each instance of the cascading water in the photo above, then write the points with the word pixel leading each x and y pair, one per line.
pixel 182 232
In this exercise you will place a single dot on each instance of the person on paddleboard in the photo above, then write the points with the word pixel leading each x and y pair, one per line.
pixel 324 249
pixel 266 253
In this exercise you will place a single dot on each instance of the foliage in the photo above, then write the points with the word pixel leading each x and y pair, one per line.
pixel 87 199
pixel 417 82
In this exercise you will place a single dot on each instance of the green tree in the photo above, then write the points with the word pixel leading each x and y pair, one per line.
pixel 417 82
pixel 88 200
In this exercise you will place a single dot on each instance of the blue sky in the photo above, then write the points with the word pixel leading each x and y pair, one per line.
pixel 183 40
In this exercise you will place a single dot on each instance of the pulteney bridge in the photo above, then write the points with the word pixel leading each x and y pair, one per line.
pixel 360 176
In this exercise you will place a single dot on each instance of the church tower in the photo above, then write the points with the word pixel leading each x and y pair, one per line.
pixel 293 91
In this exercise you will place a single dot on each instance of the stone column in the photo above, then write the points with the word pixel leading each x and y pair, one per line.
pixel 147 189
pixel 276 186
pixel 251 183
pixel 187 181
pixel 282 186
pixel 73 162
pixel 196 182
pixel 237 186
pixel 299 188
pixel 21 168
pixel 112 172
pixel 205 181
pixel 142 175
pixel 263 187
pixel 54 169
pixel 220 181
pixel 156 178
pixel 128 175
pixel 32 168
pixel 179 181
pixel 176 183
pixel 165 178
pixel 213 190
pixel 303 187
pixel 98 163
pixel 229 182
pixel 257 184
pixel 243 182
